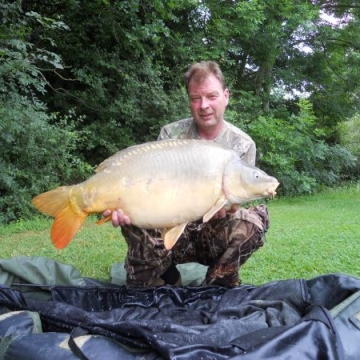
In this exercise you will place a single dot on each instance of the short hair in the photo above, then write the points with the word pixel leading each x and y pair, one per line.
pixel 201 70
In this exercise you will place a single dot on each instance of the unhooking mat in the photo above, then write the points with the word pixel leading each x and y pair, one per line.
pixel 48 311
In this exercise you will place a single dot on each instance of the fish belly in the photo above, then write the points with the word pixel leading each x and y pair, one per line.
pixel 160 187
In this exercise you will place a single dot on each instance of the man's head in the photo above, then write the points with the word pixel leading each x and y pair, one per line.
pixel 201 70
pixel 208 97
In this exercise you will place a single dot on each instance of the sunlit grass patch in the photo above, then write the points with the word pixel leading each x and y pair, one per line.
pixel 308 236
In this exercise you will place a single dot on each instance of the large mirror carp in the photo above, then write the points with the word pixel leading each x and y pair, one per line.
pixel 162 184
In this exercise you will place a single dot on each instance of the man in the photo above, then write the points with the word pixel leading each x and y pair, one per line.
pixel 227 240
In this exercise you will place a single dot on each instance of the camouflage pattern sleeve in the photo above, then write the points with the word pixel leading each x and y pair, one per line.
pixel 236 139
pixel 250 155
pixel 246 149
pixel 181 129
pixel 163 134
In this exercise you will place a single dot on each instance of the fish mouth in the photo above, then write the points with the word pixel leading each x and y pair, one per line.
pixel 271 192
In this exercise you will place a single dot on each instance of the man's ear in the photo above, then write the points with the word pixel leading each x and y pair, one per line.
pixel 227 95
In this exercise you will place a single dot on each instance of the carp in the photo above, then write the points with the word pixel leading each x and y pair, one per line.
pixel 162 184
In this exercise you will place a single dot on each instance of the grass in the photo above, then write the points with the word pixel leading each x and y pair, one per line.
pixel 93 250
pixel 308 236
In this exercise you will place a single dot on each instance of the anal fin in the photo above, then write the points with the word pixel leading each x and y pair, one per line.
pixel 171 236
pixel 104 219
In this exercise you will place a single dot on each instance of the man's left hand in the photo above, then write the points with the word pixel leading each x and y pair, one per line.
pixel 222 212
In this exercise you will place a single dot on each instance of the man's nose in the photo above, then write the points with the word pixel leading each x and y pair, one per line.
pixel 204 103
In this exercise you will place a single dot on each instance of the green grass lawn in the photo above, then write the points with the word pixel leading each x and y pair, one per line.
pixel 308 236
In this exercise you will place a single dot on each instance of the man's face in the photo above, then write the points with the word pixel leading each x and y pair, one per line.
pixel 208 101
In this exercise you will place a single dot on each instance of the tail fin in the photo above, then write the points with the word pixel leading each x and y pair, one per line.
pixel 53 201
pixel 67 222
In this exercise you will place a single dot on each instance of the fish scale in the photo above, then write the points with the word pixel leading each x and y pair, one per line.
pixel 164 184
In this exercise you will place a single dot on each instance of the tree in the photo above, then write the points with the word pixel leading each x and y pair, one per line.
pixel 297 154
pixel 117 69
pixel 89 78
pixel 28 161
pixel 349 135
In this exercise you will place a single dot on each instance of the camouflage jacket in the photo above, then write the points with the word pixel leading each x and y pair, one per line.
pixel 230 136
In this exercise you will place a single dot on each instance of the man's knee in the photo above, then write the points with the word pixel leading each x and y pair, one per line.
pixel 147 259
pixel 256 215
pixel 262 212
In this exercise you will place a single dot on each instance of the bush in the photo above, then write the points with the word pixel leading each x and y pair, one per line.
pixel 349 135
pixel 292 149
pixel 36 157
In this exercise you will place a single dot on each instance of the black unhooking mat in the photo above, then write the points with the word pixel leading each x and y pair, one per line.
pixel 290 319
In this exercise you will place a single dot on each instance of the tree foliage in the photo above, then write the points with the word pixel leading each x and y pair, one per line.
pixel 295 150
pixel 36 146
pixel 81 80
pixel 117 70
pixel 349 137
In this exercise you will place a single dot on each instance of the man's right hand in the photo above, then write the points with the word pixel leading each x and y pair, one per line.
pixel 118 218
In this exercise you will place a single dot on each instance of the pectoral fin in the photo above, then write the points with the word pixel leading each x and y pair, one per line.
pixel 220 203
pixel 170 236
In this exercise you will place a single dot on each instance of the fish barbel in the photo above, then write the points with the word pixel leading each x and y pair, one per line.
pixel 162 184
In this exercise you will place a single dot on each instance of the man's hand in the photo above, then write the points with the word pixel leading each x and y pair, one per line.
pixel 118 218
pixel 222 212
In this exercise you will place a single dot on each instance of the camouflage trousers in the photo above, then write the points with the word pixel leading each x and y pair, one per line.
pixel 221 244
